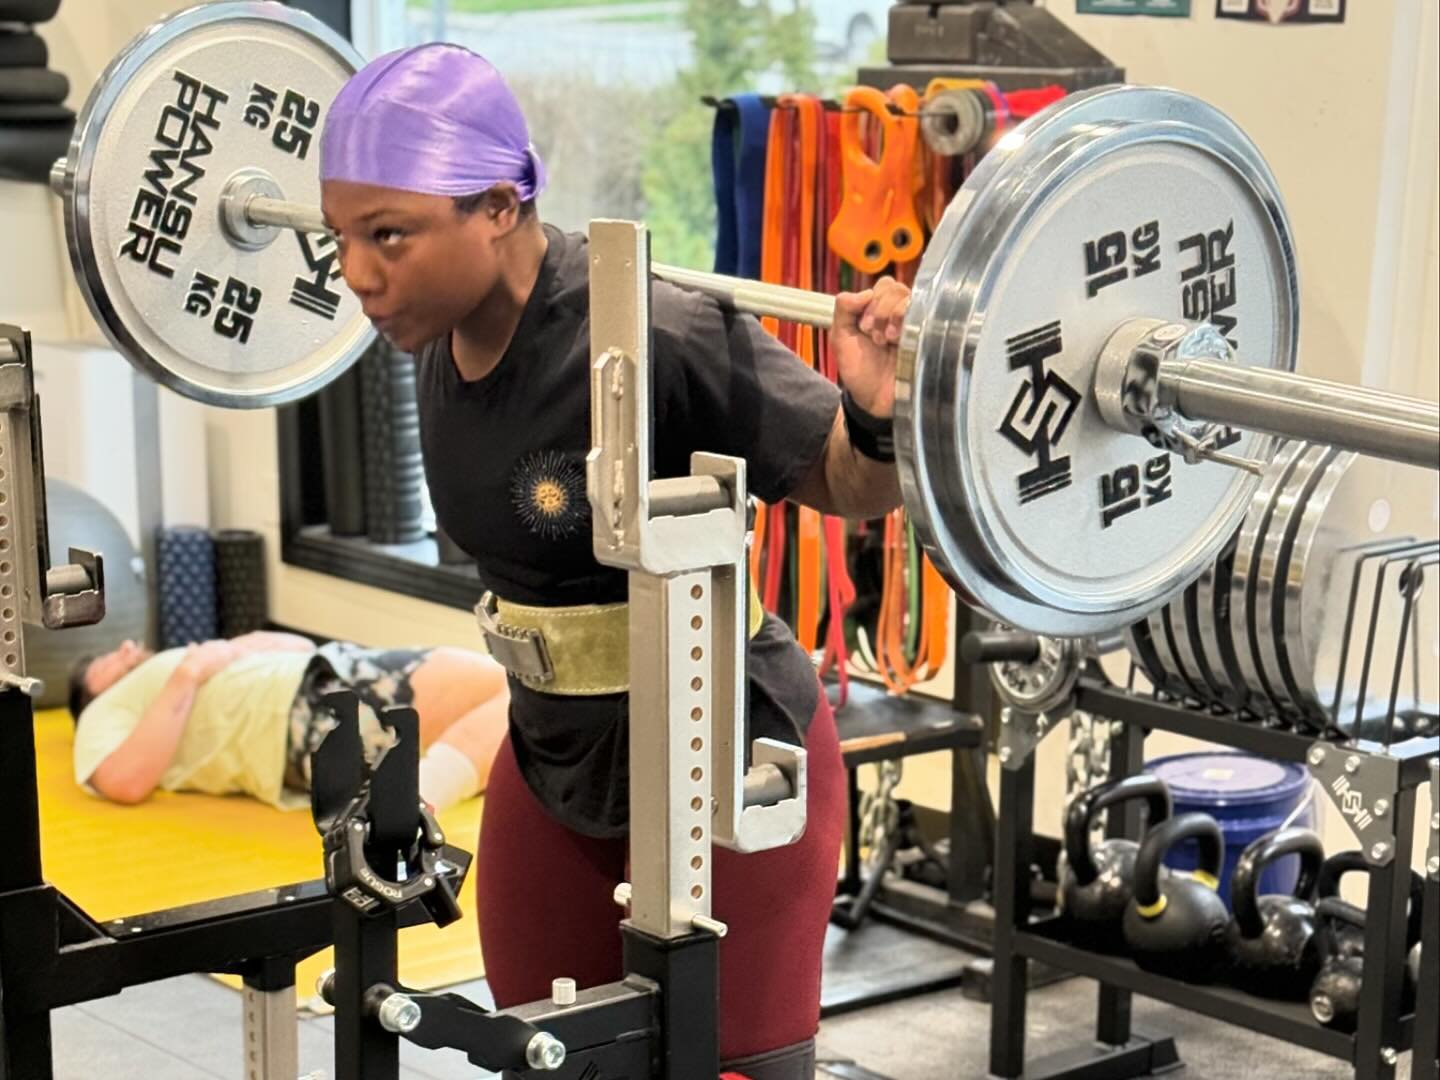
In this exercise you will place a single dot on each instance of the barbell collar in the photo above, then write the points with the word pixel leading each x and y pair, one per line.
pixel 1355 418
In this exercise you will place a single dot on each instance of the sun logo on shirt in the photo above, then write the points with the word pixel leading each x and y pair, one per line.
pixel 548 491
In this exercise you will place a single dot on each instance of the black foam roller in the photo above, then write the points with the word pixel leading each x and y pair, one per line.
pixel 22 48
pixel 186 556
pixel 394 470
pixel 28 11
pixel 28 150
pixel 343 455
pixel 33 85
pixel 240 595
pixel 25 113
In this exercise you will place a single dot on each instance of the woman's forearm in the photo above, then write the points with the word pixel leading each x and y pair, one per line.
pixel 846 483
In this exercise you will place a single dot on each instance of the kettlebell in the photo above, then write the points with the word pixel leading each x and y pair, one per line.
pixel 1176 925
pixel 1335 995
pixel 1351 938
pixel 1342 935
pixel 1274 950
pixel 1097 882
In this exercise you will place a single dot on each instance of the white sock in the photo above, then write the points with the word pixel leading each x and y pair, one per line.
pixel 447 777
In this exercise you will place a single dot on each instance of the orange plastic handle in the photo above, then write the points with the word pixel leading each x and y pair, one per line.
pixel 876 224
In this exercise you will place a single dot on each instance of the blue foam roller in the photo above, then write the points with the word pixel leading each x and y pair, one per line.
pixel 188 608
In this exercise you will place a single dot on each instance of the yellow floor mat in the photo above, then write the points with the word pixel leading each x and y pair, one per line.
pixel 171 850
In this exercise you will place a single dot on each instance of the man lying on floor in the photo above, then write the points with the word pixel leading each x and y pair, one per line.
pixel 243 716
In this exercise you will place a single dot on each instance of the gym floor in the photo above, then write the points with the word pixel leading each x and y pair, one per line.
pixel 189 1028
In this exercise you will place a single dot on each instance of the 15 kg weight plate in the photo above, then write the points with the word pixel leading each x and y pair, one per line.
pixel 1113 203
pixel 215 92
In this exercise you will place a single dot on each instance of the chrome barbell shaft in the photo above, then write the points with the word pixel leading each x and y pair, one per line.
pixel 1355 418
pixel 1255 398
pixel 755 297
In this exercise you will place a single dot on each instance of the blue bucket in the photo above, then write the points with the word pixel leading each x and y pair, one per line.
pixel 1248 797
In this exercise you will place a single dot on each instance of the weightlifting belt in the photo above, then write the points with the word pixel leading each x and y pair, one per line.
pixel 577 650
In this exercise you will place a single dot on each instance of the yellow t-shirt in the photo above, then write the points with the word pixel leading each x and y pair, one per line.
pixel 235 739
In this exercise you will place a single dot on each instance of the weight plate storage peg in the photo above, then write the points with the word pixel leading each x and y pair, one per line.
pixel 1112 205
pixel 208 108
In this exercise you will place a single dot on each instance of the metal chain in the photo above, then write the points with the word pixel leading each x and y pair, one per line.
pixel 879 814
pixel 1088 762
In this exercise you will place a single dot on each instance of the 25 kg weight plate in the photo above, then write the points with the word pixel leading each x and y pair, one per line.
pixel 1113 203
pixel 213 93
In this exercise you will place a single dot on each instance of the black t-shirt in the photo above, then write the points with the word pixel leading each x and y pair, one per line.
pixel 505 462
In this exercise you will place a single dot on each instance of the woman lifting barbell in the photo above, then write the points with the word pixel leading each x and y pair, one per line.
pixel 429 182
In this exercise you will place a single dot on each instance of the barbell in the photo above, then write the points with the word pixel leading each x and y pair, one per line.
pixel 1075 435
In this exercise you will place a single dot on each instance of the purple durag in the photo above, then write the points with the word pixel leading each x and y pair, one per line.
pixel 435 119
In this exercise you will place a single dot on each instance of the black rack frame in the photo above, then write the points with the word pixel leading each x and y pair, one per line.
pixel 53 954
pixel 1382 1032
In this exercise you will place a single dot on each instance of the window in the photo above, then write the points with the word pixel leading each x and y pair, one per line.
pixel 612 91
pixel 612 88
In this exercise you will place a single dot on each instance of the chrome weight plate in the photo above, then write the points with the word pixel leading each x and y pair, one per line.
pixel 217 94
pixel 1114 203
pixel 1162 635
pixel 1184 621
pixel 1335 532
pixel 1245 570
pixel 1274 560
pixel 1212 617
pixel 1137 640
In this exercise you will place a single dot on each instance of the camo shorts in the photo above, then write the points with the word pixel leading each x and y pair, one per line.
pixel 380 678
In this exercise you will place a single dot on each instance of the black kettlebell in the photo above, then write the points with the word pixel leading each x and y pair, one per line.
pixel 1342 935
pixel 1335 995
pixel 1176 925
pixel 1274 950
pixel 1098 882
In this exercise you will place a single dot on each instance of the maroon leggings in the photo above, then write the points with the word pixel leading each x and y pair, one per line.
pixel 546 905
